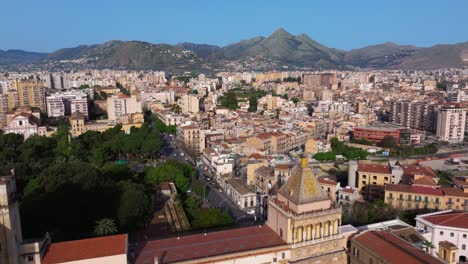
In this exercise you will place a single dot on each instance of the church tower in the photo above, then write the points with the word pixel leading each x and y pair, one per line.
pixel 304 217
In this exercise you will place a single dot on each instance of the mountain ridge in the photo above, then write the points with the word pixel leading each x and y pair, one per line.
pixel 279 50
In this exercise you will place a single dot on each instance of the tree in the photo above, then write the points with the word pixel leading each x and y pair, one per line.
pixel 253 101
pixel 388 142
pixel 427 246
pixel 277 111
pixel 105 227
pixel 295 100
pixel 134 206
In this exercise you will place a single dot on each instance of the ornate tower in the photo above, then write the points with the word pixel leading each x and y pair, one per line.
pixel 306 218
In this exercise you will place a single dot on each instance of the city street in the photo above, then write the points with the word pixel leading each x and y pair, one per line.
pixel 214 196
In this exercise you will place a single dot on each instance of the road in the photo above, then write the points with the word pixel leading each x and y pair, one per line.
pixel 215 197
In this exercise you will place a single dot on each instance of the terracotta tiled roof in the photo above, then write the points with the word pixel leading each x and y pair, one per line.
pixel 393 249
pixel 86 249
pixel 374 168
pixel 326 180
pixel 284 166
pixel 451 219
pixel 413 189
pixel 454 191
pixel 424 180
pixel 413 170
pixel 212 244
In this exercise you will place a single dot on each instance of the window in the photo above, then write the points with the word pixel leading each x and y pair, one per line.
pixel 463 246
pixel 464 235
pixel 371 261
pixel 363 176
pixel 375 177
pixel 401 196
pixel 441 233
pixel 30 258
pixel 452 234
pixel 274 259
pixel 409 197
pixel 283 255
pixel 386 178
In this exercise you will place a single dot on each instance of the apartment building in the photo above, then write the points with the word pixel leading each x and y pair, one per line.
pixel 192 137
pixel 118 105
pixel 451 123
pixel 189 103
pixel 409 197
pixel 371 178
pixel 27 93
pixel 415 115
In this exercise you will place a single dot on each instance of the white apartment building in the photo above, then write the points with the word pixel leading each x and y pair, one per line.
pixel 451 123
pixel 218 162
pixel 55 106
pixel 119 105
pixel 451 226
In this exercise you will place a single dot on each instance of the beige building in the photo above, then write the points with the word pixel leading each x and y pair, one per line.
pixel 451 124
pixel 409 197
pixel 119 105
pixel 79 125
pixel 189 103
pixel 192 137
pixel 27 93
pixel 242 196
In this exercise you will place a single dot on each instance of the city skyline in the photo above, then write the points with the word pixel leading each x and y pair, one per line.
pixel 339 25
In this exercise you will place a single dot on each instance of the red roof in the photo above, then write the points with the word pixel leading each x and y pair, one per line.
pixel 212 244
pixel 374 168
pixel 413 189
pixel 451 219
pixel 86 249
pixel 393 249
pixel 413 170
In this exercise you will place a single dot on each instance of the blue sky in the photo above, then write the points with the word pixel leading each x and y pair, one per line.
pixel 47 25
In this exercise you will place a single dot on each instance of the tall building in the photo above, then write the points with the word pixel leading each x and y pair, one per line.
pixel 55 106
pixel 28 93
pixel 451 121
pixel 119 105
pixel 189 103
pixel 416 115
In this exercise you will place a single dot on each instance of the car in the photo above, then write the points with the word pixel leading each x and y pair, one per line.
pixel 251 211
pixel 182 154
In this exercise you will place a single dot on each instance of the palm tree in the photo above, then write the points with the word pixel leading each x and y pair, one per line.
pixel 105 226
pixel 427 245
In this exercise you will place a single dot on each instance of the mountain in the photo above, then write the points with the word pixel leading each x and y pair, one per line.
pixel 8 57
pixel 204 51
pixel 128 55
pixel 280 50
pixel 288 49
pixel 386 55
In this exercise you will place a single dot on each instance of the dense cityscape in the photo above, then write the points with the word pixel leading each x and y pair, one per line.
pixel 237 154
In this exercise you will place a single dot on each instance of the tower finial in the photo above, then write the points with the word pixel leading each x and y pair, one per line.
pixel 304 161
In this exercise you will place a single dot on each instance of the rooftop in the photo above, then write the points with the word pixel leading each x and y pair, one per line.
pixel 393 249
pixel 208 245
pixel 449 219
pixel 86 249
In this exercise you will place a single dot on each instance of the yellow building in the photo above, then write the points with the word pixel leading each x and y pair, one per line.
pixel 192 137
pixel 78 125
pixel 408 197
pixel 27 93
